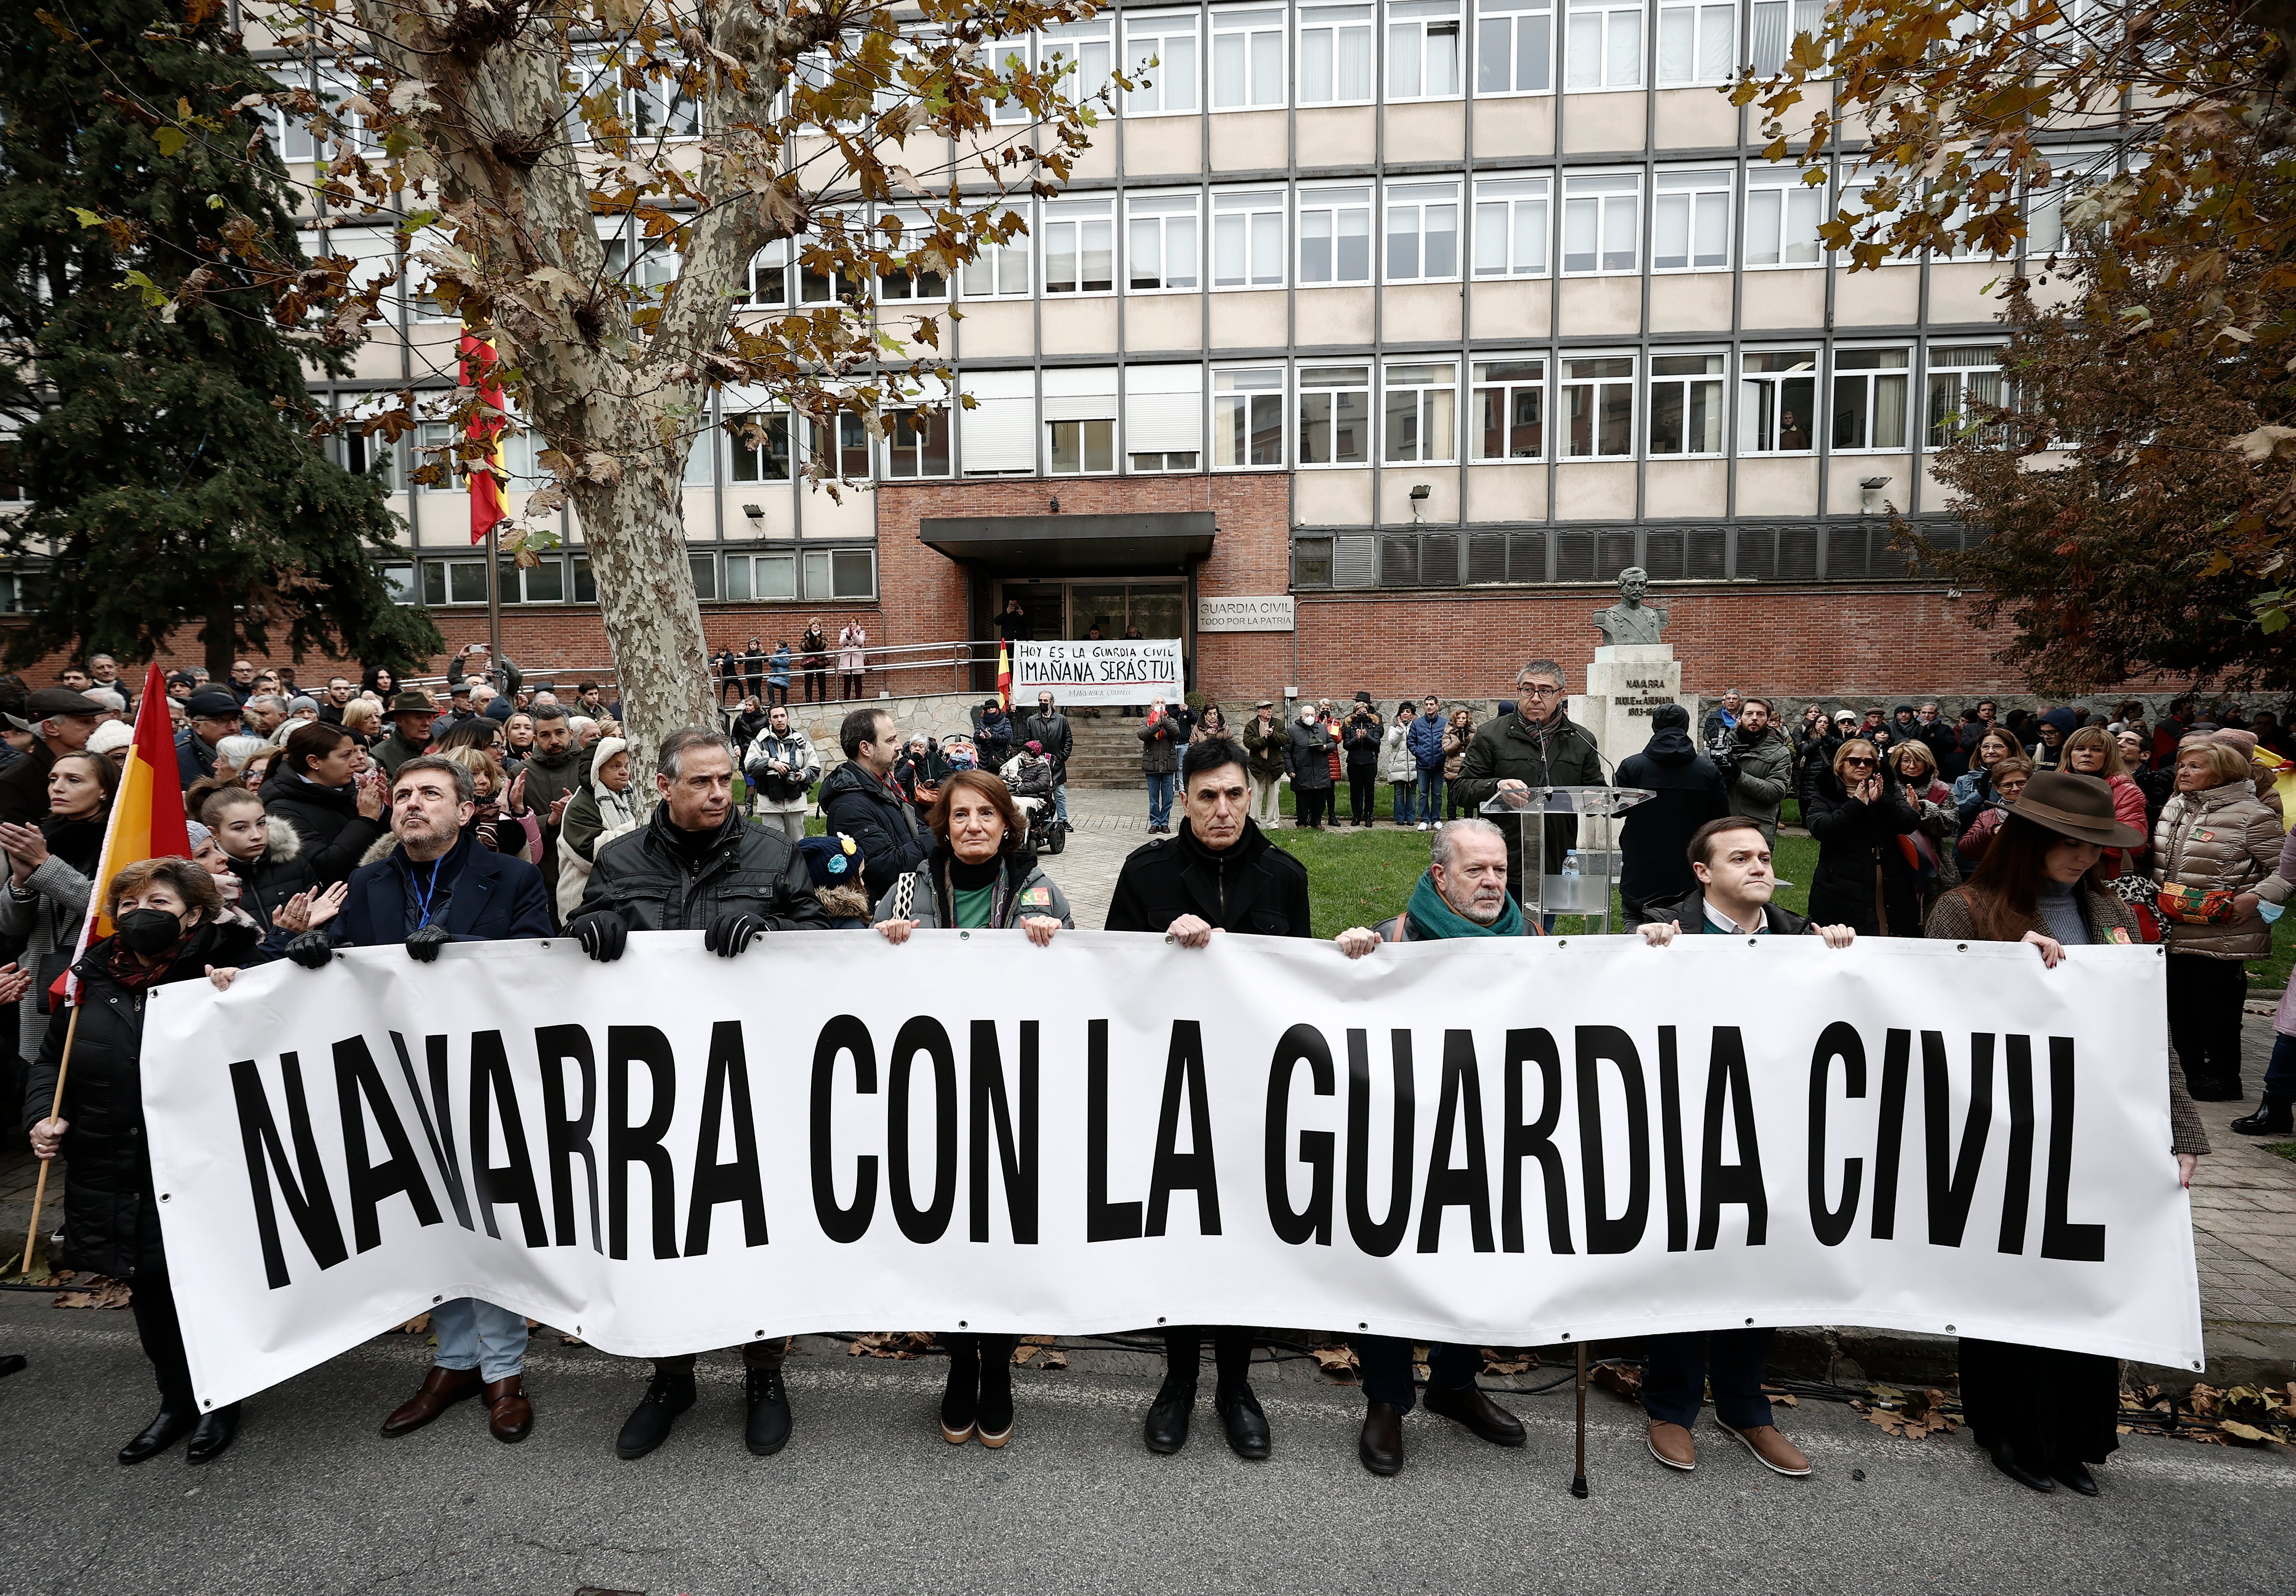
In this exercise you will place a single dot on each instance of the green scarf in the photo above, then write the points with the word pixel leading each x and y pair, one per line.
pixel 1434 920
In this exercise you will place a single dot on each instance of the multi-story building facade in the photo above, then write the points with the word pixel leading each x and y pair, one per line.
pixel 1431 315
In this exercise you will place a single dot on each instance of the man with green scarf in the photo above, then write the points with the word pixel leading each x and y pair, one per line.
pixel 1463 894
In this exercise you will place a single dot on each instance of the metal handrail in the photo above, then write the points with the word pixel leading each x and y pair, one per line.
pixel 955 655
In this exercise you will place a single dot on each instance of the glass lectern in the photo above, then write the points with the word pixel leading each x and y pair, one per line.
pixel 1590 868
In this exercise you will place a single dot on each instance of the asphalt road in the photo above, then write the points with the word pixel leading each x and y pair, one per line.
pixel 868 1498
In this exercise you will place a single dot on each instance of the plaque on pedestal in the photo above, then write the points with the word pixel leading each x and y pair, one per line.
pixel 1624 684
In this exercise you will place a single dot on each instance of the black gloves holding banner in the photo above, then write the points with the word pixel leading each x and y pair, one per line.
pixel 602 934
pixel 424 944
pixel 731 932
pixel 312 950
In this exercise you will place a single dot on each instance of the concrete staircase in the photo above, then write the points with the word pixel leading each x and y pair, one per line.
pixel 1107 751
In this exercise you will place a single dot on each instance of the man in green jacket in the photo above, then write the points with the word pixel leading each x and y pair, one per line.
pixel 1764 772
pixel 1539 745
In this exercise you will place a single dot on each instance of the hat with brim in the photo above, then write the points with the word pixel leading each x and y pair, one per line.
pixel 2077 806
pixel 412 702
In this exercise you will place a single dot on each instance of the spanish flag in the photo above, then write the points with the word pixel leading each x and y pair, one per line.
pixel 485 481
pixel 147 815
pixel 1004 675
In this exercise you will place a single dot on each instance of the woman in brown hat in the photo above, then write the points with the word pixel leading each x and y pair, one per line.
pixel 2043 1413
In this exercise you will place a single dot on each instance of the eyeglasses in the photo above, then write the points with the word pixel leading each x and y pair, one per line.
pixel 1853 761
pixel 1533 691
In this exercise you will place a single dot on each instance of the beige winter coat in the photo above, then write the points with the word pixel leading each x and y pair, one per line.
pixel 2219 840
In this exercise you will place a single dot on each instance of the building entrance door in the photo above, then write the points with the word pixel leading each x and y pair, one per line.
pixel 1154 609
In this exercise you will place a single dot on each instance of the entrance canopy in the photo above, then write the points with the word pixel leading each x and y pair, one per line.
pixel 1081 545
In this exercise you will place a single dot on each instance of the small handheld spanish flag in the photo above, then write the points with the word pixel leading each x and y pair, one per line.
pixel 147 813
pixel 485 480
pixel 1004 675
pixel 2283 782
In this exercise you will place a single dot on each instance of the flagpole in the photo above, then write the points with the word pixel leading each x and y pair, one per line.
pixel 495 671
pixel 40 1187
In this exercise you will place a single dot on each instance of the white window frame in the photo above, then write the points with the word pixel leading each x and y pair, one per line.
pixel 1065 231
pixel 1960 378
pixel 1091 44
pixel 2072 169
pixel 1771 29
pixel 769 272
pixel 1503 377
pixel 1241 393
pixel 1715 402
pixel 1515 227
pixel 1710 28
pixel 1313 383
pixel 1242 219
pixel 736 417
pixel 745 588
pixel 1337 204
pixel 1080 405
pixel 1615 35
pixel 1250 35
pixel 1002 55
pixel 1699 198
pixel 1786 225
pixel 659 99
pixel 1174 86
pixel 1419 413
pixel 1006 271
pixel 1426 204
pixel 914 224
pixel 1612 199
pixel 1415 58
pixel 1319 32
pixel 1593 390
pixel 851 453
pixel 1762 403
pixel 1871 379
pixel 1503 29
pixel 915 447
pixel 1162 404
pixel 1171 225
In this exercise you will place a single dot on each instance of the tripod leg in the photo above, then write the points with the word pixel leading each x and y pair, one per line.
pixel 1578 1480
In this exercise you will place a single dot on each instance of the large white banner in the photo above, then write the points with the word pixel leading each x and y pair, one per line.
pixel 1117 670
pixel 1496 1142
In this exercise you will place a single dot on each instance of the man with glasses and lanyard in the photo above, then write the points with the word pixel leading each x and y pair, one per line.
pixel 1539 745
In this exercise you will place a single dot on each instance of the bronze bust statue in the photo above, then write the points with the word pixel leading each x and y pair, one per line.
pixel 1630 620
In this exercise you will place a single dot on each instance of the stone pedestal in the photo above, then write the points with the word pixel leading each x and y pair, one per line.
pixel 1625 684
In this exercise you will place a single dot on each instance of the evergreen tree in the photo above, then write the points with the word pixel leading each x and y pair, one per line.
pixel 154 370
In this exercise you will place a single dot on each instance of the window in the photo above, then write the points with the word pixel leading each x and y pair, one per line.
pixel 1335 415
pixel 520 448
pixel 1961 382
pixel 545 584
pixel 999 271
pixel 1159 241
pixel 1514 41
pixel 1782 214
pixel 1247 60
pixel 1163 418
pixel 1774 30
pixel 1601 224
pixel 1422 424
pixel 454 582
pixel 1085 44
pixel 1006 56
pixel 1605 47
pixel 1510 227
pixel 1335 56
pixel 658 111
pixel 1170 84
pixel 1598 406
pixel 1777 395
pixel 757 446
pixel 1423 231
pixel 1509 410
pixel 416 284
pixel 1423 49
pixel 398 580
pixel 1690 221
pixel 1000 429
pixel 768 275
pixel 1334 562
pixel 1079 247
pixel 1685 404
pixel 1248 417
pixel 705 575
pixel 1869 398
pixel 760 576
pixel 363 455
pixel 840 446
pixel 841 574
pixel 1079 421
pixel 1334 235
pixel 433 444
pixel 922 283
pixel 586 586
pixel 917 445
pixel 1696 43
pixel 1247 239
pixel 2071 171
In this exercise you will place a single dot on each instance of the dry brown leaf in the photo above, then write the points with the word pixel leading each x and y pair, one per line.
pixel 96 1291
pixel 1338 1360
pixel 900 1345
pixel 1037 1352
pixel 1624 1379
pixel 2249 1433
pixel 1504 1361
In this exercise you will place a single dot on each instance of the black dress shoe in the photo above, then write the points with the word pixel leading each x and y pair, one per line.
pixel 1167 1429
pixel 2075 1476
pixel 2005 1458
pixel 2273 1117
pixel 212 1435
pixel 1468 1406
pixel 1247 1426
pixel 2215 1091
pixel 1380 1445
pixel 769 1429
pixel 171 1425
pixel 668 1395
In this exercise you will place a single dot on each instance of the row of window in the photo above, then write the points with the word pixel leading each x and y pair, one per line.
pixel 808 576
pixel 1854 551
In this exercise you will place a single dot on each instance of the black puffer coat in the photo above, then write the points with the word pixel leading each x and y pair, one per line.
pixel 111 1224
pixel 334 833
pixel 642 876
pixel 1843 890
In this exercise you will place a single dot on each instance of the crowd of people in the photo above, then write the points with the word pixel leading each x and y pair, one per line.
pixel 762 675
pixel 377 815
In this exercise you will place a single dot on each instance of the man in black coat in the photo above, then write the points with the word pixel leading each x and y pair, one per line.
pixel 440 885
pixel 1220 873
pixel 696 865
pixel 858 799
pixel 1051 728
pixel 1689 792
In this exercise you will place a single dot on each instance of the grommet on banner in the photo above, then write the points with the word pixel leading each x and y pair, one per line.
pixel 1160 1318
pixel 1363 1326
pixel 437 1299
pixel 1753 942
pixel 1961 947
pixel 1948 1330
pixel 962 1322
pixel 1565 942
pixel 163 1197
pixel 964 935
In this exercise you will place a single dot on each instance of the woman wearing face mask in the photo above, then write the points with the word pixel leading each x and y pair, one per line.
pixel 51 868
pixel 980 875
pixel 2044 1415
pixel 166 927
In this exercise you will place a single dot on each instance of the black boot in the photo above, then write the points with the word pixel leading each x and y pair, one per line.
pixel 1246 1424
pixel 995 1424
pixel 2272 1118
pixel 2074 1476
pixel 2005 1458
pixel 1167 1429
pixel 959 1402
pixel 212 1435
pixel 768 1430
pixel 176 1419
pixel 668 1394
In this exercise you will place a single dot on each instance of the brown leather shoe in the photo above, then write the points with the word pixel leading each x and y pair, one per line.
pixel 442 1388
pixel 509 1415
pixel 1772 1449
pixel 1671 1445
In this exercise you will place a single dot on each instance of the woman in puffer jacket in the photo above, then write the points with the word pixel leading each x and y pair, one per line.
pixel 1396 767
pixel 2213 837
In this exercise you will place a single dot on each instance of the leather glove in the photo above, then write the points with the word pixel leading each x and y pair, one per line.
pixel 602 934
pixel 424 944
pixel 731 932
pixel 312 950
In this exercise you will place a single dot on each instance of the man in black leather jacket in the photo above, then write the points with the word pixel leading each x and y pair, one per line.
pixel 1050 727
pixel 697 864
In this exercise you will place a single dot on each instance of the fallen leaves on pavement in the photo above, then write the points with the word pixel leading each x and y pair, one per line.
pixel 89 1291
pixel 1509 1360
pixel 1339 1361
pixel 902 1344
pixel 1912 1414
pixel 1037 1352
